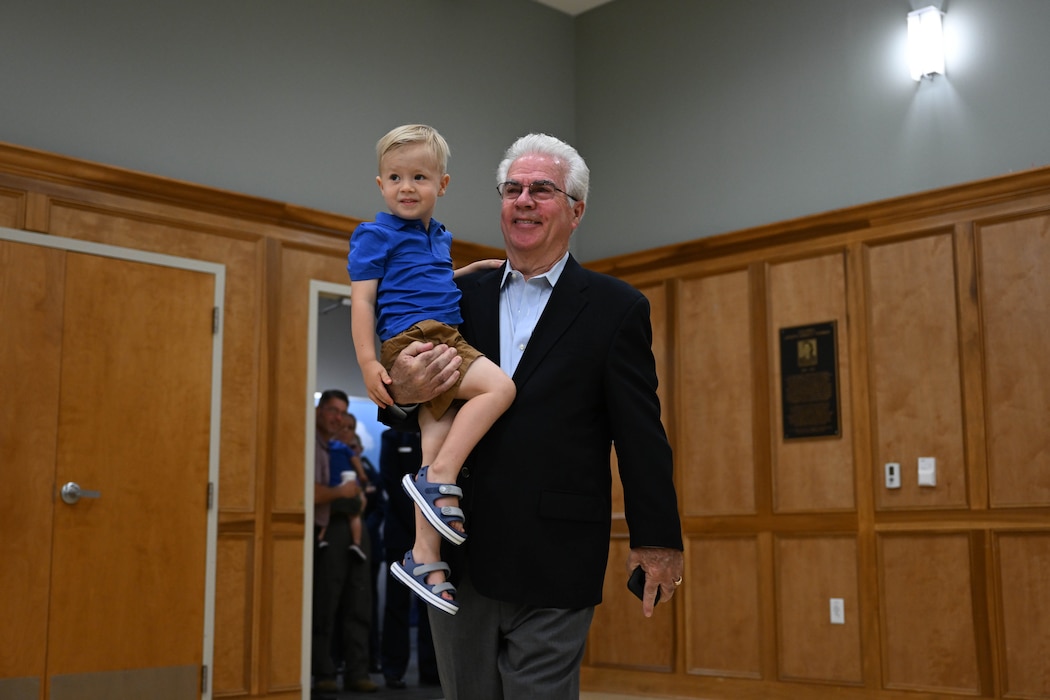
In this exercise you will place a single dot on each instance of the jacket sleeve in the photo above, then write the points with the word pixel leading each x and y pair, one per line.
pixel 642 449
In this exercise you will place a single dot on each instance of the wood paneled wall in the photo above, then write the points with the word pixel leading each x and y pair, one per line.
pixel 942 307
pixel 271 252
pixel 941 303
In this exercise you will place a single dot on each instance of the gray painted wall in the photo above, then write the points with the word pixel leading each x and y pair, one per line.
pixel 698 117
pixel 701 117
pixel 285 99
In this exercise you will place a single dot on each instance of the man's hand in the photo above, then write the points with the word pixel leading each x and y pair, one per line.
pixel 423 371
pixel 663 572
pixel 327 494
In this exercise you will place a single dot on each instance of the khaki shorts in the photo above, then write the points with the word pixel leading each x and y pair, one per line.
pixel 438 334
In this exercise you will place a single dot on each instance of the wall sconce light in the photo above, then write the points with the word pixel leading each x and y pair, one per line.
pixel 925 43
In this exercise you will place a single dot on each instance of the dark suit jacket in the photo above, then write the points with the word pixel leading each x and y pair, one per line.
pixel 537 488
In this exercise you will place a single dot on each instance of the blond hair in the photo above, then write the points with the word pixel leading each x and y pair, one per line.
pixel 415 133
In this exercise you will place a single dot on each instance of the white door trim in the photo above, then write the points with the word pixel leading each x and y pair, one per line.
pixel 317 287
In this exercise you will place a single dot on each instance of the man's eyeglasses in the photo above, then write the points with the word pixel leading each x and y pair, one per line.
pixel 539 190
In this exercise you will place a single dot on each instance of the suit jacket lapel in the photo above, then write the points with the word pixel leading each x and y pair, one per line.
pixel 481 313
pixel 567 300
pixel 481 316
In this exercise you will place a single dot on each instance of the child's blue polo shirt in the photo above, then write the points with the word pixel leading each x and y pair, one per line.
pixel 414 269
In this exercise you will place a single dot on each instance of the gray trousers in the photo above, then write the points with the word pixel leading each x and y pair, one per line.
pixel 342 598
pixel 501 651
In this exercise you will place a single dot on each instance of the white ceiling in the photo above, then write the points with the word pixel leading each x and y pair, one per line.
pixel 573 7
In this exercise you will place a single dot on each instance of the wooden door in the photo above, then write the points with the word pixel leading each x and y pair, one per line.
pixel 107 383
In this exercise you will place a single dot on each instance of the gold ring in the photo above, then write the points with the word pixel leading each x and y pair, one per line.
pixel 678 582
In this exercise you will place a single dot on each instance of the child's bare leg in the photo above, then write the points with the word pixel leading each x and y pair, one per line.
pixel 488 392
pixel 355 529
pixel 427 547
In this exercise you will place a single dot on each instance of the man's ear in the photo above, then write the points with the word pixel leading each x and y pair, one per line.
pixel 445 179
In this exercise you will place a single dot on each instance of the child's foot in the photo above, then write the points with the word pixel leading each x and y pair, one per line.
pixel 356 550
pixel 446 519
pixel 440 595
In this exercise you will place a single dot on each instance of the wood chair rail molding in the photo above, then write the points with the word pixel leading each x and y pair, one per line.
pixel 44 167
pixel 944 203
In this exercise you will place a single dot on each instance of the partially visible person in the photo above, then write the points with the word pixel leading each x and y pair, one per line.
pixel 345 463
pixel 338 588
pixel 402 285
pixel 374 512
pixel 578 345
pixel 401 454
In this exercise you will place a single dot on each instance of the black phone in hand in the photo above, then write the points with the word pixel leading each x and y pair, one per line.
pixel 636 584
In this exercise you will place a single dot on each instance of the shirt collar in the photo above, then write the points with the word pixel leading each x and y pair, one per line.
pixel 552 275
pixel 395 221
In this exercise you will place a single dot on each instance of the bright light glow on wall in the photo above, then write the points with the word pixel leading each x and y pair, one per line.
pixel 925 43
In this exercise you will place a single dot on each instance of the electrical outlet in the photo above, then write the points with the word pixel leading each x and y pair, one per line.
pixel 893 475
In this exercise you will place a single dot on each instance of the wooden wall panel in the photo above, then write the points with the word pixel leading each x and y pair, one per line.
pixel 286 611
pixel 917 398
pixel 32 288
pixel 12 207
pixel 297 267
pixel 927 613
pixel 1015 299
pixel 715 436
pixel 812 474
pixel 810 571
pixel 233 619
pixel 1024 585
pixel 620 635
pixel 157 230
pixel 981 630
pixel 723 610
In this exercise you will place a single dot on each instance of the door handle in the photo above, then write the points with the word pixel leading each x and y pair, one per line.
pixel 71 493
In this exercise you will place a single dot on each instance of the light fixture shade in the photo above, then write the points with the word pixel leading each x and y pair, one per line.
pixel 925 43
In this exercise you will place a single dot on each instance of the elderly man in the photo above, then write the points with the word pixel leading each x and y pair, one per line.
pixel 537 488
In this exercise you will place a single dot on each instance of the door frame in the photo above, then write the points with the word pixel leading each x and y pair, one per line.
pixel 218 270
pixel 317 288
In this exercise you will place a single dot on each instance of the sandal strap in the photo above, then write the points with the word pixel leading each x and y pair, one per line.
pixel 439 588
pixel 424 569
pixel 448 490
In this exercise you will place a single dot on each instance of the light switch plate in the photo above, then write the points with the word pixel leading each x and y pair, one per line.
pixel 927 471
pixel 838 611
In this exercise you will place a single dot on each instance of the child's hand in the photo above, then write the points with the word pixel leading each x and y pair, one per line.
pixel 488 264
pixel 377 379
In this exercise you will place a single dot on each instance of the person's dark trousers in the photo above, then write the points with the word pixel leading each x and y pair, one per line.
pixel 342 596
pixel 355 607
pixel 372 523
pixel 397 620
pixel 329 577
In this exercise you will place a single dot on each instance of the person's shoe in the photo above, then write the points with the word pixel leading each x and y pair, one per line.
pixel 395 683
pixel 361 685
pixel 326 685
pixel 358 552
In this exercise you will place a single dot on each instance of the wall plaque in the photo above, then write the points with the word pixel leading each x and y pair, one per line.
pixel 809 388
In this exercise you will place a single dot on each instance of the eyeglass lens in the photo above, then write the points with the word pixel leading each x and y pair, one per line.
pixel 540 190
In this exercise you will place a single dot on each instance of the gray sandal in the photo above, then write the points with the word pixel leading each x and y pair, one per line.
pixel 425 494
pixel 415 577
